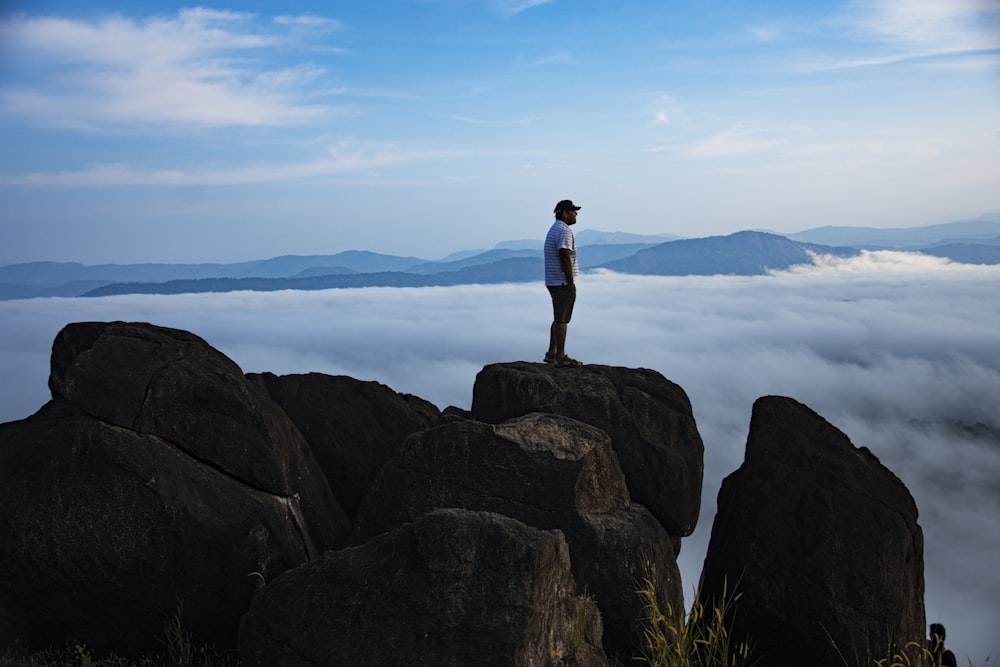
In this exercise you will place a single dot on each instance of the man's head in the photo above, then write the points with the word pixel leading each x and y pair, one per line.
pixel 937 632
pixel 566 211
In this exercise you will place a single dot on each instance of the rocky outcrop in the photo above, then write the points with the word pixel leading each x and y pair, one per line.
pixel 548 471
pixel 821 543
pixel 452 588
pixel 649 419
pixel 352 426
pixel 157 482
pixel 162 485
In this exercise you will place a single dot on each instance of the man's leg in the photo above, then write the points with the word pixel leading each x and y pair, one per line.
pixel 557 340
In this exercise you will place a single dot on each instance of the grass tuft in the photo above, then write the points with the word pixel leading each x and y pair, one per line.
pixel 694 641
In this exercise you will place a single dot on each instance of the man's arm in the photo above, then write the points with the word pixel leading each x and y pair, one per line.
pixel 566 264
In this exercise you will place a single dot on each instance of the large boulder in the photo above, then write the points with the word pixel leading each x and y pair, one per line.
pixel 550 472
pixel 820 542
pixel 649 419
pixel 352 426
pixel 158 484
pixel 452 588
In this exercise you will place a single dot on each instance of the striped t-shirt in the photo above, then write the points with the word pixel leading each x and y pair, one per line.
pixel 560 236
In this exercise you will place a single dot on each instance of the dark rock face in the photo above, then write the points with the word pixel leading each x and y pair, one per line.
pixel 352 426
pixel 649 419
pixel 550 472
pixel 821 541
pixel 156 479
pixel 452 588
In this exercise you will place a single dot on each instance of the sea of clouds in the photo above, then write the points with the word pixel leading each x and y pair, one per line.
pixel 899 351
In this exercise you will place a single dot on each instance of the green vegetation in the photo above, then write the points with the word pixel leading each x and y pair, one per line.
pixel 698 640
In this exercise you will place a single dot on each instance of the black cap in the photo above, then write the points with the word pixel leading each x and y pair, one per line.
pixel 566 205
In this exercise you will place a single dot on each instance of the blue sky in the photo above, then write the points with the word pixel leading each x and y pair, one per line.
pixel 154 131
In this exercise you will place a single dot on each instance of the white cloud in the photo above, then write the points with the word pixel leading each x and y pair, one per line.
pixel 919 29
pixel 511 7
pixel 308 21
pixel 896 350
pixel 342 157
pixel 737 141
pixel 933 26
pixel 764 33
pixel 511 121
pixel 197 68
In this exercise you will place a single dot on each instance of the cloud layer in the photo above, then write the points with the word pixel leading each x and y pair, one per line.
pixel 898 351
pixel 198 68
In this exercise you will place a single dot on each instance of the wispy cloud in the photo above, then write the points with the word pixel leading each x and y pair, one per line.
pixel 343 157
pixel 512 7
pixel 733 142
pixel 905 30
pixel 664 109
pixel 196 68
pixel 507 121
pixel 764 33
pixel 791 148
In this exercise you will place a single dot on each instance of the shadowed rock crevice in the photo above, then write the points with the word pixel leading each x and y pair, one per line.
pixel 352 426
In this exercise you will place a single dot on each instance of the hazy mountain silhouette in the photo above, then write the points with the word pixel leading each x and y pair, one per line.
pixel 984 230
pixel 518 269
pixel 743 253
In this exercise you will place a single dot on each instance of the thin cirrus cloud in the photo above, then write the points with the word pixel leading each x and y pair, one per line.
pixel 197 68
pixel 896 350
pixel 905 30
pixel 341 158
pixel 512 7
pixel 732 142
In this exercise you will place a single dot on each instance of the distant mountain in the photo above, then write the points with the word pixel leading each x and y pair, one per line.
pixel 519 244
pixel 518 269
pixel 324 271
pixel 743 254
pixel 967 253
pixel 57 273
pixel 593 256
pixel 485 257
pixel 71 289
pixel 589 237
pixel 906 238
pixel 586 237
pixel 38 279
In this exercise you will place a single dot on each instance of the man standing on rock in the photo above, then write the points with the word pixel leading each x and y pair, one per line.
pixel 560 279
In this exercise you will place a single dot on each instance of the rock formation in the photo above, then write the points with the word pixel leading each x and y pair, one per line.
pixel 157 482
pixel 550 472
pixel 452 588
pixel 820 541
pixel 352 426
pixel 649 419
pixel 162 484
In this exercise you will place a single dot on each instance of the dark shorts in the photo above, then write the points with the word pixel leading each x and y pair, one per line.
pixel 563 298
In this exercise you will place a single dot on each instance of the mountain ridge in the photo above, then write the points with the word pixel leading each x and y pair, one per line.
pixel 741 253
